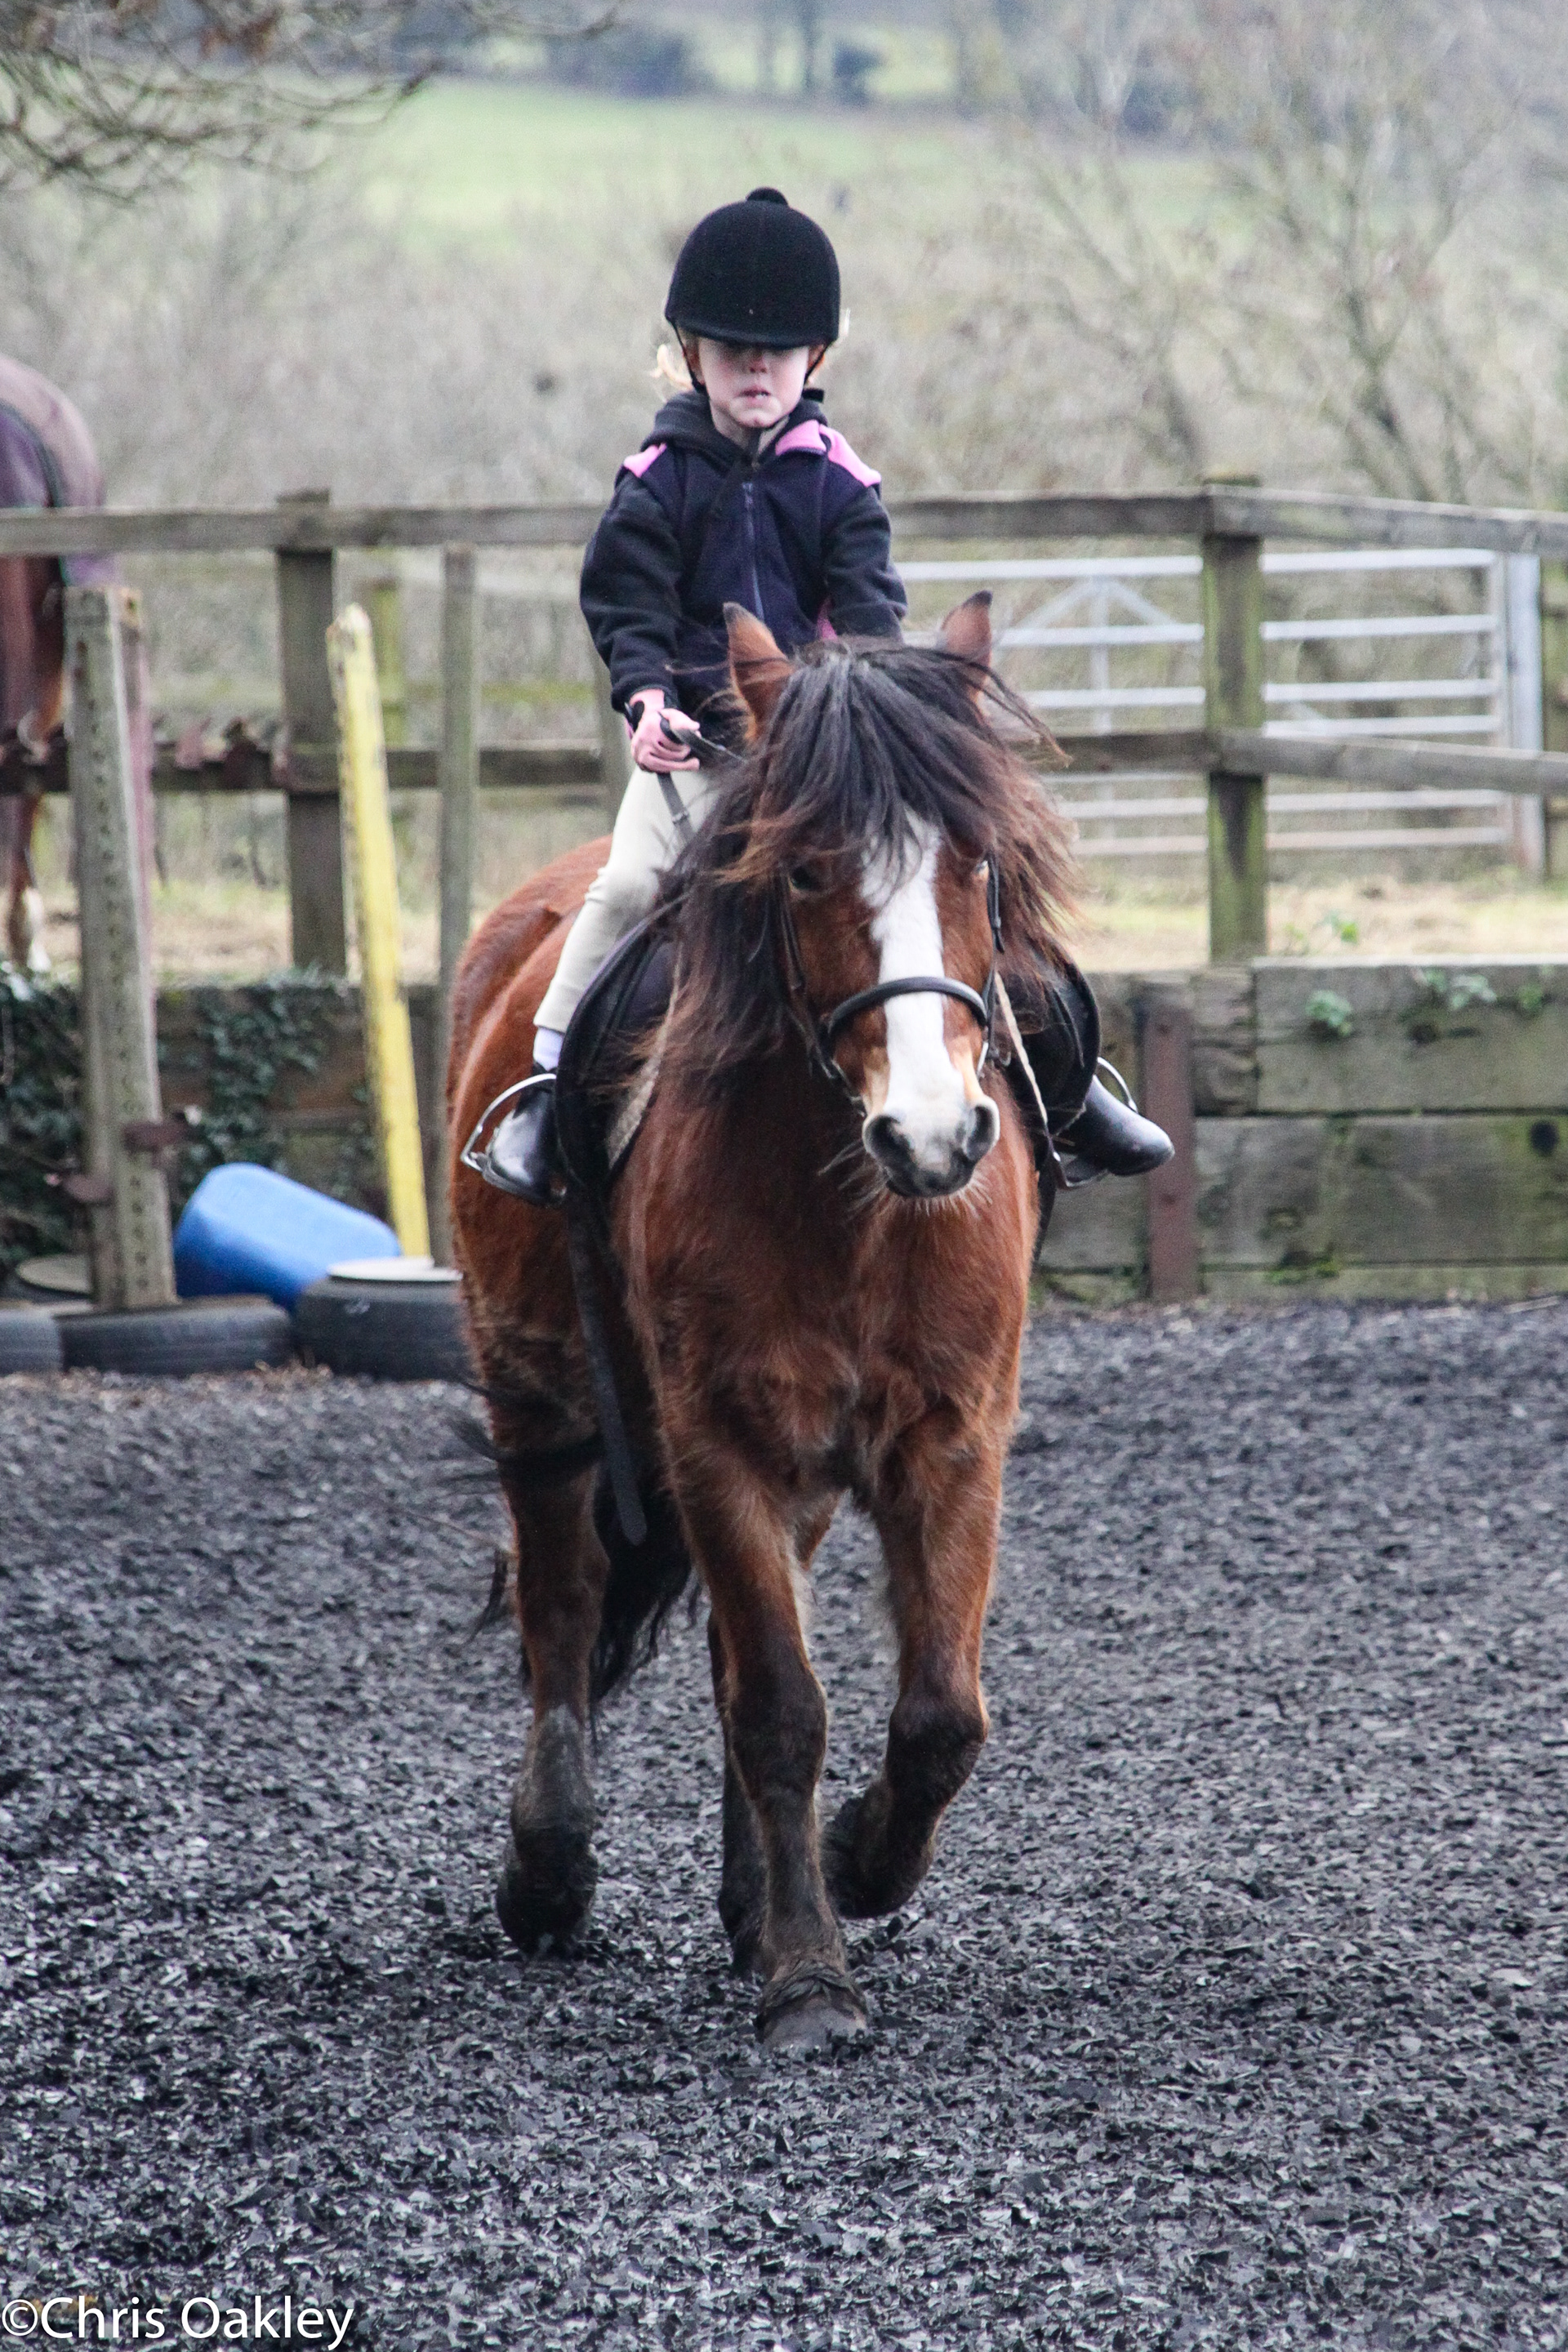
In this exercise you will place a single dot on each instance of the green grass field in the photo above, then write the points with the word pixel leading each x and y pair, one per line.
pixel 478 161
pixel 485 165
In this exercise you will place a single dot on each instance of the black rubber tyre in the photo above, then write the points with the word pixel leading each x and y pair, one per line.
pixel 29 1341
pixel 389 1330
pixel 201 1335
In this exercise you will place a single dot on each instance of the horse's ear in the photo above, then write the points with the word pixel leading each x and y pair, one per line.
pixel 757 666
pixel 966 631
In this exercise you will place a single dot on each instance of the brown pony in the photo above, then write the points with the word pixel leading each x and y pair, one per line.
pixel 47 459
pixel 826 1228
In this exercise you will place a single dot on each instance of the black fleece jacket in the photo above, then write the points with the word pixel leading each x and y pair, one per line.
pixel 798 535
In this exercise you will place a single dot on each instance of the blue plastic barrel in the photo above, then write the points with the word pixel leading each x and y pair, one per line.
pixel 248 1229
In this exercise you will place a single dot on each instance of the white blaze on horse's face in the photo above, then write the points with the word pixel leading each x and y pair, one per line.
pixel 928 1124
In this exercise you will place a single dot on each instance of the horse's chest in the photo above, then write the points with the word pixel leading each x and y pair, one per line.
pixel 823 1388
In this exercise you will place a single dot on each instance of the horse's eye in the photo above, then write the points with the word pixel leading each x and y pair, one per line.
pixel 806 882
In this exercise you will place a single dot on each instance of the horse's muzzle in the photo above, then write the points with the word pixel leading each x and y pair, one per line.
pixel 930 1168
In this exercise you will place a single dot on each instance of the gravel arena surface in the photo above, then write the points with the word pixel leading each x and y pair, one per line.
pixel 1233 2011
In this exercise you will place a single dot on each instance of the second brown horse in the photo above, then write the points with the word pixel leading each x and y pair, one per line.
pixel 825 1230
pixel 47 459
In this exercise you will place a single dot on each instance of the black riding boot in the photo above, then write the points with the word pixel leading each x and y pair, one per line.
pixel 1112 1136
pixel 524 1157
pixel 1060 1020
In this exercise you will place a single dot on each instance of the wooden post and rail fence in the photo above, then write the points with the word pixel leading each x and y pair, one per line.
pixel 1173 1031
pixel 1229 519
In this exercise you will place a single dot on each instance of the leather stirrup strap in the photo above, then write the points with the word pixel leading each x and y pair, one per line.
pixel 1020 1054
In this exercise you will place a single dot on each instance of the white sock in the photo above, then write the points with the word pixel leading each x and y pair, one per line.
pixel 546 1048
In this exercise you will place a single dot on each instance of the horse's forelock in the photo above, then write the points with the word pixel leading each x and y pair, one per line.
pixel 869 743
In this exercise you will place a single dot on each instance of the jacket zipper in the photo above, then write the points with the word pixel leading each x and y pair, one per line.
pixel 747 488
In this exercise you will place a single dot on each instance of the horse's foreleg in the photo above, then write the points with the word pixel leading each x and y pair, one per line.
pixel 775 1736
pixel 547 1880
pixel 25 911
pixel 938 1526
pixel 743 1885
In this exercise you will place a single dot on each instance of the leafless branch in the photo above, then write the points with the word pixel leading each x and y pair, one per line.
pixel 117 95
pixel 1360 169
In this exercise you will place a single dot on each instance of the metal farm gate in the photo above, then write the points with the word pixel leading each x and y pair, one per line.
pixel 1443 643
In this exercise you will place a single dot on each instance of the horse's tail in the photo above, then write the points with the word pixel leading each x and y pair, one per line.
pixel 645 1582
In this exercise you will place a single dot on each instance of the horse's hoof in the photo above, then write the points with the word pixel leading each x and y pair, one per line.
pixel 546 1890
pixel 811 2008
pixel 855 1892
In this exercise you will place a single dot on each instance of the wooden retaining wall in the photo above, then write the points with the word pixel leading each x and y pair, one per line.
pixel 1362 1129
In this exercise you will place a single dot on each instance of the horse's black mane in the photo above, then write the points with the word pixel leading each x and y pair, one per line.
pixel 869 740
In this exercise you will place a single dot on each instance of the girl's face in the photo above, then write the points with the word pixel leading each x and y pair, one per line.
pixel 750 389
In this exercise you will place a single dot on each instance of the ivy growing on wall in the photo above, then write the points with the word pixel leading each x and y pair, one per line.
pixel 248 1041
pixel 238 1054
pixel 40 1116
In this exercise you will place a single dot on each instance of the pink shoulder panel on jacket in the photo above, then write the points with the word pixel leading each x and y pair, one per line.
pixel 640 462
pixel 821 439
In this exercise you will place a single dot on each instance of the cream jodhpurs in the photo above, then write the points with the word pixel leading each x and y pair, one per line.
pixel 642 846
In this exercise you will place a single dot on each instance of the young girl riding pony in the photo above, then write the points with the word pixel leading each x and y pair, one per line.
pixel 743 494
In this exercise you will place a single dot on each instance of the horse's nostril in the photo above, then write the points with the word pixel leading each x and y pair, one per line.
pixel 982 1133
pixel 885 1137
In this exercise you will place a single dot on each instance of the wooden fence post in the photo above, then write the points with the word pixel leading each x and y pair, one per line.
pixel 614 743
pixel 125 1187
pixel 139 723
pixel 460 810
pixel 1175 1270
pixel 1516 599
pixel 1233 698
pixel 306 587
pixel 1554 707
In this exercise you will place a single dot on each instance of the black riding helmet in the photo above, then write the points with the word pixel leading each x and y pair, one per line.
pixel 757 272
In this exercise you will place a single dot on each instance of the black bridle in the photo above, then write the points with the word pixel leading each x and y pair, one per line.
pixel 822 1031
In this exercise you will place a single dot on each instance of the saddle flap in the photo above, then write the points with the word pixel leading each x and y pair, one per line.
pixel 605 1052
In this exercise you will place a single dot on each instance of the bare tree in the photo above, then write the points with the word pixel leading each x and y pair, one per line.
pixel 117 95
pixel 809 18
pixel 1093 62
pixel 1345 280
